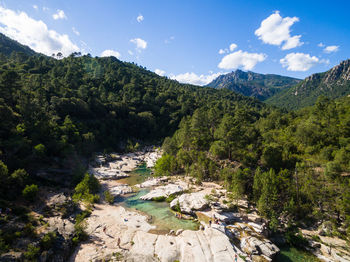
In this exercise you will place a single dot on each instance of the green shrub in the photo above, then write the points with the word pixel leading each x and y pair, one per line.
pixel 30 192
pixel 29 230
pixel 170 198
pixel 86 190
pixel 159 199
pixel 48 240
pixel 32 252
pixel 109 197
pixel 39 150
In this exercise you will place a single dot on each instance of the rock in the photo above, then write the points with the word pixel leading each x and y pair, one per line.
pixel 153 182
pixel 121 189
pixel 105 173
pixel 56 200
pixel 62 226
pixel 189 246
pixel 190 202
pixel 253 245
pixel 11 257
pixel 162 191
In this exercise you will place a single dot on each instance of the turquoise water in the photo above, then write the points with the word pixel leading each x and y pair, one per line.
pixel 291 254
pixel 159 212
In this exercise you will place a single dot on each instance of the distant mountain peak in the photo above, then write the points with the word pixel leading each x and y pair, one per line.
pixel 253 84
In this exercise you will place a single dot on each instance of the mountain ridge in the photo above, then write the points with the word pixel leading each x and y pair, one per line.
pixel 333 84
pixel 261 86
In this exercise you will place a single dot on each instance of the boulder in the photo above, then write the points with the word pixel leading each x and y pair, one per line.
pixel 62 226
pixel 190 202
pixel 162 191
pixel 153 182
pixel 121 189
pixel 259 246
pixel 11 257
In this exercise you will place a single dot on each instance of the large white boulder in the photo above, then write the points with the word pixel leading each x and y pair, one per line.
pixel 121 189
pixel 163 191
pixel 190 202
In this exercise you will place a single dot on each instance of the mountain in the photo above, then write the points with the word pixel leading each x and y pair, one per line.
pixel 253 84
pixel 7 46
pixel 333 84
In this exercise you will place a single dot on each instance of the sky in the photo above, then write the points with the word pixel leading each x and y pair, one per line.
pixel 191 41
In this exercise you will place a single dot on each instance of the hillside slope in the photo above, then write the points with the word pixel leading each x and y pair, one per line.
pixel 333 84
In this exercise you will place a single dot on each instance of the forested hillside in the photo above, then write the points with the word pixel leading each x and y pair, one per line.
pixel 261 86
pixel 79 104
pixel 334 83
pixel 294 167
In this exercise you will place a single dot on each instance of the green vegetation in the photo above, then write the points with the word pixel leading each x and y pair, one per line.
pixel 294 164
pixel 87 190
pixel 333 84
pixel 253 84
pixel 108 197
pixel 30 192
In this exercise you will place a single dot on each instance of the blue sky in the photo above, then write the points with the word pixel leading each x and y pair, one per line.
pixel 182 38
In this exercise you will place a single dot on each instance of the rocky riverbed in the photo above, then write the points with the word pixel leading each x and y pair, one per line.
pixel 120 234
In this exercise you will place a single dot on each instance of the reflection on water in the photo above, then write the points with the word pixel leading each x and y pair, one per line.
pixel 159 212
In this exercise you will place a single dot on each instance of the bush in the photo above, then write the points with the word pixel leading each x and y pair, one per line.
pixel 32 252
pixel 159 199
pixel 30 192
pixel 40 150
pixel 86 190
pixel 48 240
pixel 109 197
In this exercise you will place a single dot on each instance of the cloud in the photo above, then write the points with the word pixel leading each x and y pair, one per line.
pixel 130 52
pixel 59 15
pixel 194 79
pixel 299 61
pixel 110 52
pixel 321 45
pixel 240 59
pixel 160 72
pixel 331 49
pixel 168 41
pixel 75 31
pixel 275 30
pixel 35 7
pixel 140 18
pixel 34 33
pixel 233 47
pixel 140 43
pixel 222 51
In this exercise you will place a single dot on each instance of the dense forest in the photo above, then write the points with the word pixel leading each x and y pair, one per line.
pixel 293 166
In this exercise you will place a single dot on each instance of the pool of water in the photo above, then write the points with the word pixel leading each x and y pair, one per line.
pixel 291 254
pixel 159 212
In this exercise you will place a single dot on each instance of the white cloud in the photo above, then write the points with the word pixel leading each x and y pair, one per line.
pixel 34 33
pixel 110 52
pixel 35 7
pixel 299 61
pixel 222 51
pixel 331 49
pixel 240 59
pixel 130 52
pixel 140 18
pixel 233 47
pixel 275 30
pixel 194 79
pixel 321 45
pixel 140 43
pixel 75 31
pixel 59 15
pixel 160 72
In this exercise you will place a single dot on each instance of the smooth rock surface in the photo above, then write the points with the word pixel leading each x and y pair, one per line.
pixel 190 202
pixel 162 191
pixel 121 189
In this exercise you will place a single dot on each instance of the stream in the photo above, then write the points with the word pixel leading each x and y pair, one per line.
pixel 159 212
